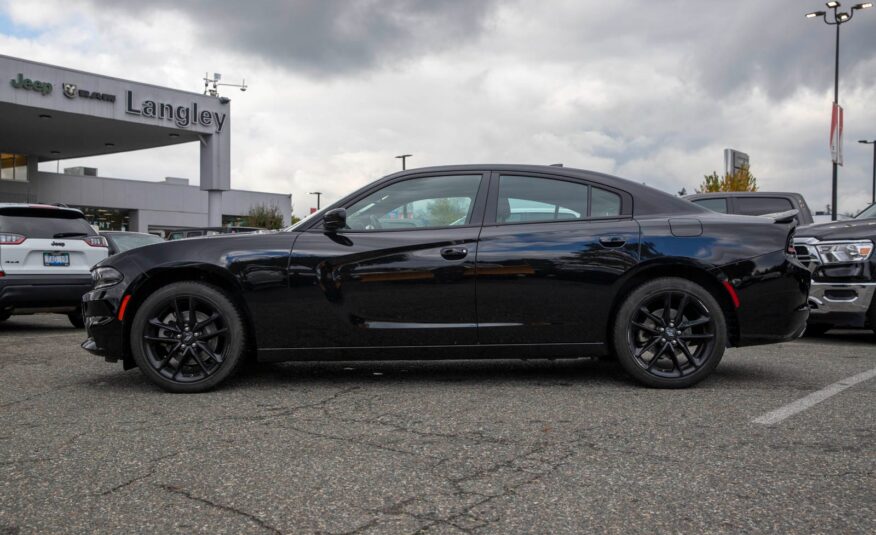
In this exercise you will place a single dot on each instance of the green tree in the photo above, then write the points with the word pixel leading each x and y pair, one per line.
pixel 739 180
pixel 445 211
pixel 264 216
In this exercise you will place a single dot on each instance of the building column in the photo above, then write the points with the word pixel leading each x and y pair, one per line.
pixel 216 170
pixel 214 208
pixel 33 169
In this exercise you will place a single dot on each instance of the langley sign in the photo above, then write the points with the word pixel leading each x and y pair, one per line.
pixel 182 116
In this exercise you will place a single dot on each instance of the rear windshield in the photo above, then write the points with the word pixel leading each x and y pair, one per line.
pixel 45 224
pixel 126 242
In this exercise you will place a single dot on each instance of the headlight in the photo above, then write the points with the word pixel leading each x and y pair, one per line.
pixel 851 251
pixel 104 277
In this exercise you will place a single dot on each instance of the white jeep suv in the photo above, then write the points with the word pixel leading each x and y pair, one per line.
pixel 46 253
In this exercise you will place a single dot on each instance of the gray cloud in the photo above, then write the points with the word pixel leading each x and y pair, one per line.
pixel 328 37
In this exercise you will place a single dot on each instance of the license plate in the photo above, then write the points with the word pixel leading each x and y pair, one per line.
pixel 56 259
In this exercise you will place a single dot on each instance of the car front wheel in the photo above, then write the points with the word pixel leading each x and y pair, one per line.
pixel 670 333
pixel 188 337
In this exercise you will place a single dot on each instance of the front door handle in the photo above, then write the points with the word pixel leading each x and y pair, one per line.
pixel 612 241
pixel 454 253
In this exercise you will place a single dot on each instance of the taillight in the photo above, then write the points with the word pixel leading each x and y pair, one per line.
pixel 11 239
pixel 96 241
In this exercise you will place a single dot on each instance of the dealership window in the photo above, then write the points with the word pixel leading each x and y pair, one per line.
pixel 428 202
pixel 106 218
pixel 13 167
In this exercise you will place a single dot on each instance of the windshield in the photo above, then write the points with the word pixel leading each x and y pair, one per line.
pixel 868 213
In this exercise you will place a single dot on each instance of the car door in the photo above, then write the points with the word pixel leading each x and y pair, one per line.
pixel 400 274
pixel 549 255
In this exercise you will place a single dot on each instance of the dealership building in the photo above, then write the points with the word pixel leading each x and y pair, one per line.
pixel 51 113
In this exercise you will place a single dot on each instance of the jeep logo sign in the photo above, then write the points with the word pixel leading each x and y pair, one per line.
pixel 44 88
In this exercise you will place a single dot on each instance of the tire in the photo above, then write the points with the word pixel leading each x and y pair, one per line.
pixel 188 337
pixel 817 329
pixel 76 320
pixel 652 347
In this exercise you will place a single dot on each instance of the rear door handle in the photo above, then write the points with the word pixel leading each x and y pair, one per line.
pixel 612 241
pixel 454 253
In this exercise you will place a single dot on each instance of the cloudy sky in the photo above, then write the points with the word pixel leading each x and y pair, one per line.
pixel 651 91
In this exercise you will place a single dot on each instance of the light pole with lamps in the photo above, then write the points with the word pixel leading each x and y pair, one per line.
pixel 404 157
pixel 838 20
pixel 318 195
pixel 873 142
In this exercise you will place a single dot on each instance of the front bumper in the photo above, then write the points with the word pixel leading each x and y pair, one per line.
pixel 106 333
pixel 844 303
pixel 34 293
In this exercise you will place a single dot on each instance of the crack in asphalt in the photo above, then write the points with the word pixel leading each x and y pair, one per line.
pixel 153 467
pixel 182 492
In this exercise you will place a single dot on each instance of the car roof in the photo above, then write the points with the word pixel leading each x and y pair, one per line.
pixel 11 206
pixel 647 200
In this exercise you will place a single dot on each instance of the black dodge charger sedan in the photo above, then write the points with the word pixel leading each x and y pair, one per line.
pixel 475 261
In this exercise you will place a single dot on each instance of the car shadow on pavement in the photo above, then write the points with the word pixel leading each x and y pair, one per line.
pixel 843 336
pixel 37 324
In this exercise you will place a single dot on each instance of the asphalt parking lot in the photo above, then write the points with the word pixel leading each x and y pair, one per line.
pixel 436 447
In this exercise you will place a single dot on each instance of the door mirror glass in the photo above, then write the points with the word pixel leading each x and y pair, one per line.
pixel 335 219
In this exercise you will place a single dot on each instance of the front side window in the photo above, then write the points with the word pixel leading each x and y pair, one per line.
pixel 419 203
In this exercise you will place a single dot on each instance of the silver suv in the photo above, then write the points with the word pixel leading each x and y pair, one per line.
pixel 46 253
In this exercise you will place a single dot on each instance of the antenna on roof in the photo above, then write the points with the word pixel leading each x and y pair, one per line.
pixel 556 165
pixel 214 90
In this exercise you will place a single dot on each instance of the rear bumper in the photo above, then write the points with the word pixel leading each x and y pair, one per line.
pixel 773 290
pixel 33 293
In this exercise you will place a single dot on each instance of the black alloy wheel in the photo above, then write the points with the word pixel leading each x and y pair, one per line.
pixel 670 333
pixel 188 337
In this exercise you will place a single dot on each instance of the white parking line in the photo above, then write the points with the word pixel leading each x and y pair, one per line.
pixel 776 416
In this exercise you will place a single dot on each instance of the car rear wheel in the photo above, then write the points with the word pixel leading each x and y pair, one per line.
pixel 670 333
pixel 188 337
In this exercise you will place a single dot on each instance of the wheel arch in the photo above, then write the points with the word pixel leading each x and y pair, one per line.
pixel 161 276
pixel 679 268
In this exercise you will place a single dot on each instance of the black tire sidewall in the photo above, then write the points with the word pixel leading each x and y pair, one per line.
pixel 216 298
pixel 625 315
pixel 76 320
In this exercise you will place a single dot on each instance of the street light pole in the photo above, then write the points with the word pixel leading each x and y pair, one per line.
pixel 838 20
pixel 318 195
pixel 404 157
pixel 873 142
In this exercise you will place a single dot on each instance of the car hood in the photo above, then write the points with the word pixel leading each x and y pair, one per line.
pixel 840 230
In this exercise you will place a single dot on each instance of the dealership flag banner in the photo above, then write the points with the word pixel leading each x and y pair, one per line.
pixel 836 134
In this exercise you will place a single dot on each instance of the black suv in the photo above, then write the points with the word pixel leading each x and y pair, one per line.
pixel 840 256
pixel 754 203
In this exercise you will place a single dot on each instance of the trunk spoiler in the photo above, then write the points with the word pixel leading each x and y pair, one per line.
pixel 783 217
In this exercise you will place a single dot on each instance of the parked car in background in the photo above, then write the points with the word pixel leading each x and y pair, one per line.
pixel 547 262
pixel 46 254
pixel 840 256
pixel 754 203
pixel 121 241
pixel 210 231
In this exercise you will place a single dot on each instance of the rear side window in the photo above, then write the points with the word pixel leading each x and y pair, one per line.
pixel 36 225
pixel 528 200
pixel 762 205
pixel 604 203
pixel 715 205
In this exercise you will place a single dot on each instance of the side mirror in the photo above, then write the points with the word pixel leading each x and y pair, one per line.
pixel 335 219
